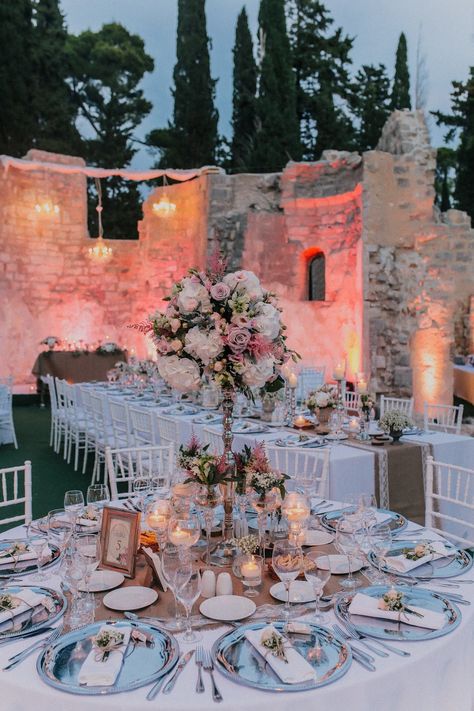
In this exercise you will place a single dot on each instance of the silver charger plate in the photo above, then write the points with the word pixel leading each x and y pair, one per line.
pixel 27 622
pixel 240 662
pixel 396 521
pixel 60 663
pixel 25 567
pixel 388 629
pixel 459 562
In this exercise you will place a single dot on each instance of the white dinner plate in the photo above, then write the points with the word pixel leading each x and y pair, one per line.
pixel 338 564
pixel 300 591
pixel 316 537
pixel 227 608
pixel 133 597
pixel 102 580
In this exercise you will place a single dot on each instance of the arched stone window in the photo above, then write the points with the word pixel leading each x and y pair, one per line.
pixel 317 277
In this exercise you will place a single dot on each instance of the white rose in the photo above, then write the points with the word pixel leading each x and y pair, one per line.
pixel 244 281
pixel 180 373
pixel 268 321
pixel 322 399
pixel 193 296
pixel 259 373
pixel 205 345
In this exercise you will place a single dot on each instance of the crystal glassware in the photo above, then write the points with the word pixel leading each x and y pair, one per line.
pixel 381 540
pixel 141 487
pixel 207 498
pixel 346 543
pixel 250 568
pixel 287 562
pixel 74 505
pixel 188 588
pixel 39 544
pixel 318 578
pixel 87 548
pixel 184 533
pixel 171 563
pixel 98 495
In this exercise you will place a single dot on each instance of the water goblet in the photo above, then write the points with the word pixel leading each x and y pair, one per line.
pixel 98 495
pixel 318 577
pixel 170 564
pixel 74 505
pixel 287 562
pixel 59 529
pixel 346 543
pixel 381 540
pixel 39 544
pixel 188 588
pixel 87 547
pixel 141 487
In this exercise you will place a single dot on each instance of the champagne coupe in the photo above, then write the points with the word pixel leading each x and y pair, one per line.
pixel 287 562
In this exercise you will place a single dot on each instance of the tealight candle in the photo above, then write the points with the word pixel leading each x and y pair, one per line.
pixel 300 421
pixel 292 380
pixel 354 426
pixel 296 507
pixel 251 572
pixel 339 370
pixel 180 537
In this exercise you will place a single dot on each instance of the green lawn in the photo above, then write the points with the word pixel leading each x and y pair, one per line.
pixel 52 476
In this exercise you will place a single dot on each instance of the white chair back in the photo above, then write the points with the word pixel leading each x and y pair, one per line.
pixel 127 463
pixel 444 418
pixel 53 398
pixel 15 492
pixel 214 440
pixel 303 466
pixel 121 423
pixel 449 501
pixel 351 401
pixel 404 405
pixel 168 430
pixel 6 412
pixel 309 378
pixel 102 433
pixel 142 427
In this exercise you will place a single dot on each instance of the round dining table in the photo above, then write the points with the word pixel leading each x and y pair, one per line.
pixel 437 676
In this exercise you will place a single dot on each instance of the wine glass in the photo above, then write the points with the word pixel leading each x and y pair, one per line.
pixel 381 539
pixel 88 551
pixel 59 529
pixel 287 562
pixel 188 589
pixel 318 577
pixel 74 504
pixel 347 544
pixel 141 487
pixel 39 544
pixel 170 564
pixel 98 495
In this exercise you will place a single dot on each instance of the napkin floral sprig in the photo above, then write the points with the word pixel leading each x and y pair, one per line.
pixel 7 602
pixel 105 642
pixel 15 549
pixel 393 601
pixel 274 642
pixel 419 551
pixel 90 514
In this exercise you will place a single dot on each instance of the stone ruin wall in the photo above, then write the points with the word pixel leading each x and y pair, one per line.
pixel 398 274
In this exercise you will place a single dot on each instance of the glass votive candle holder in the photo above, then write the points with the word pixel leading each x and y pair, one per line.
pixel 251 572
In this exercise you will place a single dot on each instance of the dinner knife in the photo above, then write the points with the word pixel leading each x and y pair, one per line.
pixel 181 664
pixel 155 689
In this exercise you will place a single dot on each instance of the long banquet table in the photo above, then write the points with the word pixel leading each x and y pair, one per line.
pixel 436 677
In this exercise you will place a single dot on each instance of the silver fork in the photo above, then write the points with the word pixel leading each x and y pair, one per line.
pixel 209 666
pixel 18 658
pixel 199 658
pixel 355 634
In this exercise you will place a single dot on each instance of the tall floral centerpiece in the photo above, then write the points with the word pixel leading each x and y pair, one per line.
pixel 225 327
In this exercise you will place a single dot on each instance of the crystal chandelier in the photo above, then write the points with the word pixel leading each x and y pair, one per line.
pixel 100 251
pixel 164 208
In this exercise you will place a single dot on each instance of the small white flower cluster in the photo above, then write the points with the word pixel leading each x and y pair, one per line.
pixel 395 420
pixel 264 481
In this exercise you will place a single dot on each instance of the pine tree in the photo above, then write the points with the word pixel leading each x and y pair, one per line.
pixel 461 121
pixel 54 109
pixel 277 138
pixel 243 99
pixel 108 66
pixel 370 103
pixel 16 91
pixel 401 83
pixel 191 140
pixel 321 57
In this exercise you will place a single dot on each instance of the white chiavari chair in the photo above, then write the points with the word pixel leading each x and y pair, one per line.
pixel 102 432
pixel 6 411
pixel 15 492
pixel 302 465
pixel 214 440
pixel 77 423
pixel 351 402
pixel 125 464
pixel 449 501
pixel 388 404
pixel 63 420
pixel 121 424
pixel 53 399
pixel 444 418
pixel 142 427
pixel 168 430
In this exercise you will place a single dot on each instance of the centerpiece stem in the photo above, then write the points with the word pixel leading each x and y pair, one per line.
pixel 227 436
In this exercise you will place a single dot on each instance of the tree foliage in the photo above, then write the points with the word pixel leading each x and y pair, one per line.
pixel 244 118
pixel 401 83
pixel 370 103
pixel 191 140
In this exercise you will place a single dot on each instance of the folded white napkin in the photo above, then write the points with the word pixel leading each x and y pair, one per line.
pixel 369 607
pixel 294 671
pixel 99 673
pixel 29 600
pixel 9 559
pixel 404 565
pixel 381 518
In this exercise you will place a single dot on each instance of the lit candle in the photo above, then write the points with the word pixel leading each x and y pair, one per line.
pixel 250 570
pixel 362 387
pixel 300 421
pixel 292 380
pixel 339 370
pixel 296 507
pixel 354 425
pixel 180 537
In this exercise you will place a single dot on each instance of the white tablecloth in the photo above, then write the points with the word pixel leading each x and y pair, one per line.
pixel 437 677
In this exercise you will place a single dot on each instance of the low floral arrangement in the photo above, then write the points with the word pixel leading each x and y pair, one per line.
pixel 325 396
pixel 418 551
pixel 8 602
pixel 254 472
pixel 224 326
pixel 51 342
pixel 274 642
pixel 367 402
pixel 105 642
pixel 109 347
pixel 393 601
pixel 202 468
pixel 247 544
pixel 394 420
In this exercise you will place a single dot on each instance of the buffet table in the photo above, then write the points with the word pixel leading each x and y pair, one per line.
pixel 436 677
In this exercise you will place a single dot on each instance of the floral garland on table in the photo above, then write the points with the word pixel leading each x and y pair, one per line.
pixel 254 472
pixel 395 420
pixel 225 326
pixel 109 347
pixel 325 396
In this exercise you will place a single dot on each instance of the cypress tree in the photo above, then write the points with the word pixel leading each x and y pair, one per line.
pixel 370 103
pixel 191 141
pixel 401 83
pixel 54 108
pixel 243 98
pixel 277 138
pixel 16 116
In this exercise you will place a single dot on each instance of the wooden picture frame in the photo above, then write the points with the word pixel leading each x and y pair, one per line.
pixel 119 536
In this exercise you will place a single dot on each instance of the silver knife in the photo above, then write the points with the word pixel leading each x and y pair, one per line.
pixel 181 664
pixel 156 688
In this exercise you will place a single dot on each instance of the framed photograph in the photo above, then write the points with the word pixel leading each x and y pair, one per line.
pixel 119 535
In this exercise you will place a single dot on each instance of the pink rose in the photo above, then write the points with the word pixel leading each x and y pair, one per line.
pixel 175 323
pixel 238 338
pixel 162 346
pixel 220 291
pixel 176 344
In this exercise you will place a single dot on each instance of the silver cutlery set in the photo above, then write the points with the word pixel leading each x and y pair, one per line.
pixel 203 660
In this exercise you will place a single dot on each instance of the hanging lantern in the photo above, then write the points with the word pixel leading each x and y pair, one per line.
pixel 164 208
pixel 100 251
